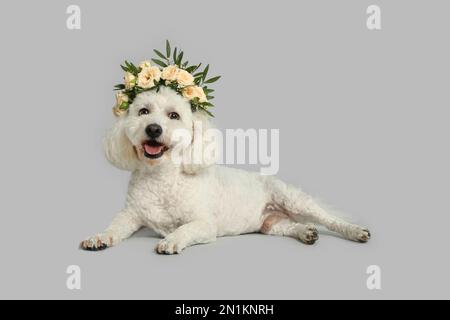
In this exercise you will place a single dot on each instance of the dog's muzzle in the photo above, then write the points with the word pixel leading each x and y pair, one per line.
pixel 152 148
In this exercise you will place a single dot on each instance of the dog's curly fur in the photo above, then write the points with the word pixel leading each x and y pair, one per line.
pixel 190 203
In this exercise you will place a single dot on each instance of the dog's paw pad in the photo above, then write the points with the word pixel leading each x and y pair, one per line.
pixel 363 235
pixel 96 243
pixel 309 235
pixel 166 246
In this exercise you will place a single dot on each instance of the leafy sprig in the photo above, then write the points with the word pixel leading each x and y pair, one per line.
pixel 131 68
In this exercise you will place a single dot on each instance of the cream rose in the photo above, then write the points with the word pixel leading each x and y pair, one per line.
pixel 148 76
pixel 130 80
pixel 121 98
pixel 170 73
pixel 145 64
pixel 184 78
pixel 118 112
pixel 192 92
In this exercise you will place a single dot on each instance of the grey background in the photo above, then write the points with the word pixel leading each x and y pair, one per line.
pixel 363 119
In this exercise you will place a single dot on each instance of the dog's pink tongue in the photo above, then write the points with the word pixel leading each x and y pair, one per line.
pixel 152 149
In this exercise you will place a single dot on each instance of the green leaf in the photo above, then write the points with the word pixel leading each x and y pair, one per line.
pixel 196 67
pixel 207 104
pixel 200 74
pixel 124 68
pixel 129 66
pixel 185 64
pixel 173 85
pixel 131 94
pixel 132 68
pixel 179 59
pixel 190 69
pixel 135 69
pixel 167 49
pixel 205 72
pixel 209 97
pixel 195 101
pixel 124 106
pixel 208 113
pixel 160 54
pixel 159 62
pixel 175 55
pixel 213 79
pixel 119 87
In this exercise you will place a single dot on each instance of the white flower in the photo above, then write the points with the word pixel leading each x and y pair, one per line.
pixel 170 73
pixel 145 64
pixel 148 76
pixel 192 92
pixel 130 80
pixel 184 78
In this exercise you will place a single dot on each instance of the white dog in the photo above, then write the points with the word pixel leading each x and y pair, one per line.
pixel 189 203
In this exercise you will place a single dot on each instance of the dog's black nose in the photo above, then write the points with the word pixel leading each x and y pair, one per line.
pixel 153 130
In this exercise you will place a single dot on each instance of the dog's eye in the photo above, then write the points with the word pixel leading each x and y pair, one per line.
pixel 143 111
pixel 174 116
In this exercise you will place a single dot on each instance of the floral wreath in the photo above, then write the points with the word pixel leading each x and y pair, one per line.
pixel 175 74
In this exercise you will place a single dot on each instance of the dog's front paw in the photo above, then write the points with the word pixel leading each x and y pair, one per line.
pixel 97 243
pixel 169 246
pixel 309 234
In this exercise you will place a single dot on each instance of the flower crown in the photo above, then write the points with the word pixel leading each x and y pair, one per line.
pixel 175 74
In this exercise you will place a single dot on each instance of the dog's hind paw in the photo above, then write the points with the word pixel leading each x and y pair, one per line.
pixel 97 243
pixel 363 235
pixel 308 234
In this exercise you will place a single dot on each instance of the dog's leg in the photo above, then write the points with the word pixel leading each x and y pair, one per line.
pixel 298 204
pixel 122 227
pixel 187 235
pixel 350 231
pixel 280 224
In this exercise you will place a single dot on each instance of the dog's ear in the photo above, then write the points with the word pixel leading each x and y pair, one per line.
pixel 118 148
pixel 203 150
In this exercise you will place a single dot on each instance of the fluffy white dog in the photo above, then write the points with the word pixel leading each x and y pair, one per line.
pixel 188 202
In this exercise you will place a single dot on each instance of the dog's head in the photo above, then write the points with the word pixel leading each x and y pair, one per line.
pixel 158 128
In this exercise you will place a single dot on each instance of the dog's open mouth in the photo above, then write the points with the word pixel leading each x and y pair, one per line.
pixel 153 149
